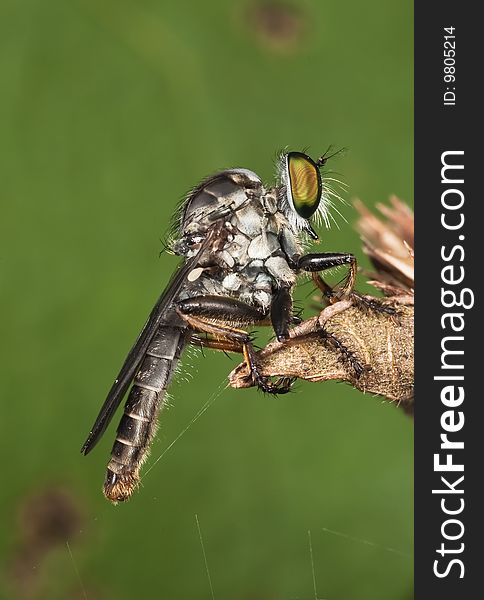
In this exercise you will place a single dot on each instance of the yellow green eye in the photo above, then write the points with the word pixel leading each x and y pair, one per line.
pixel 305 183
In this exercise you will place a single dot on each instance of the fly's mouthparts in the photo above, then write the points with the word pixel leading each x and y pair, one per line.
pixel 118 488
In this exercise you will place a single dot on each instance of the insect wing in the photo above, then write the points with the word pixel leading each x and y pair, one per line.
pixel 137 352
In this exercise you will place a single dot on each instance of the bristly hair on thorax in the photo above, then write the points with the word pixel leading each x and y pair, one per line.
pixel 176 222
pixel 327 205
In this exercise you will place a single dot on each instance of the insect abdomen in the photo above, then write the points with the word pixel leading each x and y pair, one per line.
pixel 139 421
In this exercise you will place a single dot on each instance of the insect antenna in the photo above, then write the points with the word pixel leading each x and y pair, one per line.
pixel 323 159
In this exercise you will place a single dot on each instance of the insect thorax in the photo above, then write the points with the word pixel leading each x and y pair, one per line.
pixel 248 259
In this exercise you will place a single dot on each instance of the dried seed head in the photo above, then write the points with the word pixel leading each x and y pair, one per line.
pixel 389 244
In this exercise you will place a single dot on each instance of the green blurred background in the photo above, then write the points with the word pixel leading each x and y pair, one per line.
pixel 109 112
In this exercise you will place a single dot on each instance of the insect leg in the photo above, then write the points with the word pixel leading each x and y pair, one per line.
pixel 216 344
pixel 319 262
pixel 281 313
pixel 347 355
pixel 210 314
pixel 230 346
pixel 314 263
pixel 221 309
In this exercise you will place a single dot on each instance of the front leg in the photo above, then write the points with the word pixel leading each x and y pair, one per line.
pixel 217 315
pixel 314 263
pixel 281 313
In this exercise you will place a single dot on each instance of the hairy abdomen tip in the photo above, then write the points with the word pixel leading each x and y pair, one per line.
pixel 118 488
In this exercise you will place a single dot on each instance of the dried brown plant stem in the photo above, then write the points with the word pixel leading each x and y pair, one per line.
pixel 381 343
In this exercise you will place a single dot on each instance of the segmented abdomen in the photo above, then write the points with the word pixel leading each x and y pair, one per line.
pixel 139 421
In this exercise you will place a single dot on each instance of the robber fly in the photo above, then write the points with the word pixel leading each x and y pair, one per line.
pixel 241 244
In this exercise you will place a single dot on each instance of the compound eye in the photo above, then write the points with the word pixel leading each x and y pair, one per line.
pixel 305 184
